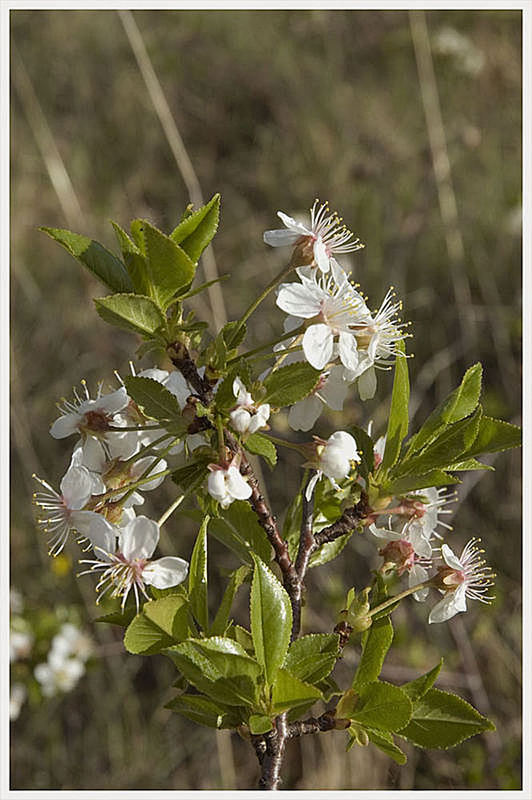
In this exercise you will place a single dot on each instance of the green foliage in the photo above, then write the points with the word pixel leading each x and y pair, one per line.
pixel 290 692
pixel 204 711
pixel 441 720
pixel 259 723
pixel 398 419
pixel 384 741
pixel 169 266
pixel 311 658
pixel 103 264
pixel 131 312
pixel 196 230
pixel 197 579
pixel 365 447
pixel 153 398
pixel 494 436
pixel 419 687
pixel 134 260
pixel 376 642
pixel 326 552
pixel 260 445
pixel 382 706
pixel 160 624
pixel 190 475
pixel 120 617
pixel 221 620
pixel 271 619
pixel 290 384
pixel 219 668
pixel 239 530
pixel 459 404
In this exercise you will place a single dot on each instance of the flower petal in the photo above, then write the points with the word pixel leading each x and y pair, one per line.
pixel 236 486
pixel 347 350
pixel 293 225
pixel 65 426
pixel 96 529
pixel 303 415
pixel 280 238
pixel 450 559
pixel 76 487
pixel 320 255
pixel 113 402
pixel 139 538
pixel 452 603
pixel 165 572
pixel 417 575
pixel 367 384
pixel 318 345
pixel 298 301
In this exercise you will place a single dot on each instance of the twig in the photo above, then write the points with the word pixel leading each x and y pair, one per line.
pixel 179 151
pixel 349 520
pixel 306 546
pixel 273 758
pixel 321 724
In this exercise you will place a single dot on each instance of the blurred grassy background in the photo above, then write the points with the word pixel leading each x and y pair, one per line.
pixel 275 108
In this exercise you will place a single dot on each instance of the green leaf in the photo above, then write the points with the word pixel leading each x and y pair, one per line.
pixel 383 706
pixel 398 420
pixel 204 711
pixel 190 475
pixel 494 435
pixel 419 687
pixel 259 723
pixel 384 741
pixel 329 550
pixel 221 619
pixel 234 334
pixel 160 624
pixel 225 398
pixel 197 581
pixel 376 642
pixel 290 384
pixel 271 619
pixel 365 447
pixel 239 530
pixel 311 658
pixel 435 477
pixel 458 405
pixel 289 692
pixel 134 261
pixel 120 617
pixel 169 267
pixel 441 720
pixel 469 464
pixel 445 449
pixel 131 312
pixel 196 230
pixel 261 446
pixel 154 398
pixel 220 668
pixel 103 264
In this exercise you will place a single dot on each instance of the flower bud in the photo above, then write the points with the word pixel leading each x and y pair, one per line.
pixel 357 614
pixel 399 555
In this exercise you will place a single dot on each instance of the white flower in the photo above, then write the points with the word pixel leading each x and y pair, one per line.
pixel 339 311
pixel 428 509
pixel 16 601
pixel 410 551
pixel 61 513
pixel 325 236
pixel 331 391
pixel 130 566
pixel 462 578
pixel 20 643
pixel 17 696
pixel 226 484
pixel 382 333
pixel 333 459
pixel 88 416
pixel 246 417
pixel 58 674
pixel 70 641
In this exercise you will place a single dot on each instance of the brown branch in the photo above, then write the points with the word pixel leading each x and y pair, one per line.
pixel 349 520
pixel 182 360
pixel 321 724
pixel 306 546
pixel 273 757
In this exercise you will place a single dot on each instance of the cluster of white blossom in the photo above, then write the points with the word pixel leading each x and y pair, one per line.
pixel 116 458
pixel 66 660
pixel 334 328
pixel 411 550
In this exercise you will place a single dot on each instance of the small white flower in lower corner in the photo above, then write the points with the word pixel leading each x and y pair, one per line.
pixel 331 391
pixel 71 641
pixel 225 484
pixel 17 697
pixel 58 674
pixel 247 417
pixel 463 578
pixel 130 566
pixel 333 458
